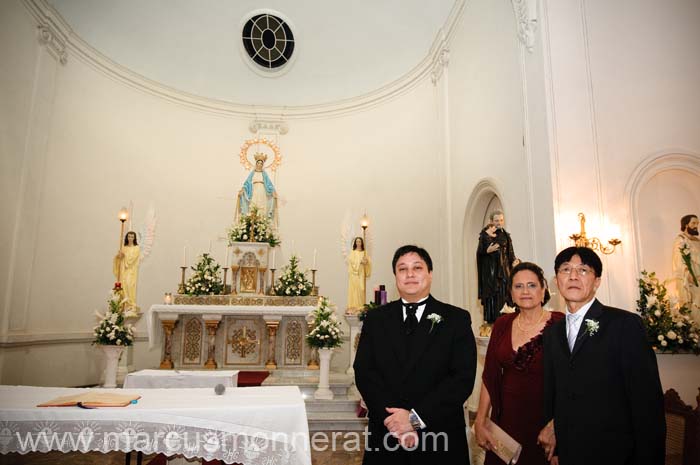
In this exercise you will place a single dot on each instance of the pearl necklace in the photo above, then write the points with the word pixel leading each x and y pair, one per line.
pixel 534 326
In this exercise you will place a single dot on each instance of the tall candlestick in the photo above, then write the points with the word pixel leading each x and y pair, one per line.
pixel 314 265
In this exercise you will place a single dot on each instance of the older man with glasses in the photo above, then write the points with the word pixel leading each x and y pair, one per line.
pixel 603 397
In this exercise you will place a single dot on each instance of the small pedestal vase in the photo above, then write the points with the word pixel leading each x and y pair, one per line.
pixel 324 392
pixel 112 354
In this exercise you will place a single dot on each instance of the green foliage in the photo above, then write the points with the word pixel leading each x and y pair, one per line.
pixel 325 328
pixel 366 308
pixel 669 326
pixel 293 281
pixel 206 279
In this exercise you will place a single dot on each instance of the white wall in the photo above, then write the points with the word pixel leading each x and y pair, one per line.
pixel 622 88
pixel 495 137
pixel 108 143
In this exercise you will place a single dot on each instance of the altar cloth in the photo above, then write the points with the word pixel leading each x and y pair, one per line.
pixel 150 379
pixel 244 425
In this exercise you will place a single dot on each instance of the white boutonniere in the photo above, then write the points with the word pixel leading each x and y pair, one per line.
pixel 592 326
pixel 436 319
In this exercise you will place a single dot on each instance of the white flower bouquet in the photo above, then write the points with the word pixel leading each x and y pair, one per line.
pixel 325 328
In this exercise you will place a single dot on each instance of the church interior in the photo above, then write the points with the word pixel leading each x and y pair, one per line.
pixel 397 121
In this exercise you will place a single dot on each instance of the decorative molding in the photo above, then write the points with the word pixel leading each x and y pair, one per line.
pixel 44 13
pixel 270 126
pixel 440 62
pixel 526 18
pixel 34 339
pixel 49 37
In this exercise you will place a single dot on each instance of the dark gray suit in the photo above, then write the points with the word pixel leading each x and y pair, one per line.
pixel 605 396
pixel 432 372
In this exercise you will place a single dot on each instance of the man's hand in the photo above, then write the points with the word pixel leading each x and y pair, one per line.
pixel 409 440
pixel 493 247
pixel 548 440
pixel 397 422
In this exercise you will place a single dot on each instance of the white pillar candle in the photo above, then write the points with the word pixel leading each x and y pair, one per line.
pixel 227 254
pixel 273 258
pixel 313 267
pixel 184 255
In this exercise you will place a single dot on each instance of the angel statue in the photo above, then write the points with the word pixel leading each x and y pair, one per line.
pixel 127 261
pixel 359 269
pixel 258 191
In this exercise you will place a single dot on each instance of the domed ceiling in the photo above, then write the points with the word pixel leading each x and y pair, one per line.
pixel 341 49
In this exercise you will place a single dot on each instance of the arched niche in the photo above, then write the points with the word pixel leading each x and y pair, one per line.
pixel 662 189
pixel 484 199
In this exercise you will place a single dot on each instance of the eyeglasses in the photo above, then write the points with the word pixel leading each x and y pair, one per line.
pixel 582 271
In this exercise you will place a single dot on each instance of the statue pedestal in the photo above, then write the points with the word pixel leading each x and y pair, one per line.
pixel 355 329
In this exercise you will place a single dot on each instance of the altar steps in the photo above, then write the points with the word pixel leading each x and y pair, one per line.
pixel 334 415
pixel 337 414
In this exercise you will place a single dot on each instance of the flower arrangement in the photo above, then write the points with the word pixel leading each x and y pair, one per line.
pixel 206 279
pixel 325 328
pixel 293 281
pixel 112 329
pixel 366 308
pixel 669 325
pixel 253 227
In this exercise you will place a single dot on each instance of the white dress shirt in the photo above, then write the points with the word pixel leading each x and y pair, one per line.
pixel 582 315
pixel 419 310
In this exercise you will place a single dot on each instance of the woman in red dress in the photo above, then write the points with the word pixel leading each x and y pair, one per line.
pixel 512 382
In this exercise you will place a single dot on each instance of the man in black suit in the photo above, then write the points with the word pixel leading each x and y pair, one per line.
pixel 415 368
pixel 601 388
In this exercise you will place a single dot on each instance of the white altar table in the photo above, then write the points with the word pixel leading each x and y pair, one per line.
pixel 251 425
pixel 150 379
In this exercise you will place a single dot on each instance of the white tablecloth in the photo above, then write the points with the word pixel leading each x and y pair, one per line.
pixel 150 379
pixel 253 425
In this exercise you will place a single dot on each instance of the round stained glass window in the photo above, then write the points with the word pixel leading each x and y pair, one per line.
pixel 268 40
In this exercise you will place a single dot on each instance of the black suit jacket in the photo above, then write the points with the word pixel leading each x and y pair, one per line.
pixel 605 396
pixel 434 375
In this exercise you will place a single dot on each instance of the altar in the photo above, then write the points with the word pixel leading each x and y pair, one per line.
pixel 232 332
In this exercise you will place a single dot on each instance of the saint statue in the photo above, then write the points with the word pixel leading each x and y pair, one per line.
pixel 126 268
pixel 359 269
pixel 495 259
pixel 686 265
pixel 258 191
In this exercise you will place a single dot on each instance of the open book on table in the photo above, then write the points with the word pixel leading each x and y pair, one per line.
pixel 92 399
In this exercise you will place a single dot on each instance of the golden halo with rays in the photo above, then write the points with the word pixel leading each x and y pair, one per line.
pixel 276 161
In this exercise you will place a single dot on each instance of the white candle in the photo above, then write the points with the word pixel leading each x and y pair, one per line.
pixel 273 258
pixel 184 255
pixel 209 247
pixel 227 253
pixel 314 265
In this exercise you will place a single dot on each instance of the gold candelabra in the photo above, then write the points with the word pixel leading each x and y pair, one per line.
pixel 581 240
pixel 364 223
pixel 123 215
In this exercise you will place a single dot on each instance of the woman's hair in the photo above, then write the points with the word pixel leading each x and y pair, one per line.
pixel 354 243
pixel 126 238
pixel 529 266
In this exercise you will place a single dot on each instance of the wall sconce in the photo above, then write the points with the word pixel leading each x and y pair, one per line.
pixel 594 243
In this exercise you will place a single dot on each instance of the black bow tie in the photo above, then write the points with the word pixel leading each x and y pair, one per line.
pixel 411 321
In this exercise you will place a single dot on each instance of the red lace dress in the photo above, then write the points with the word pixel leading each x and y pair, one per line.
pixel 515 381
